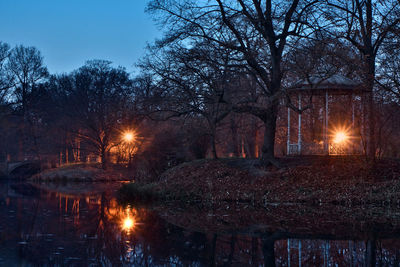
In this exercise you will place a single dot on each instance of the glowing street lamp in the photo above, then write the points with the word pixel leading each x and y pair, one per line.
pixel 340 137
pixel 340 142
pixel 129 136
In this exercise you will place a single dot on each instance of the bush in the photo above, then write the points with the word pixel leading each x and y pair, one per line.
pixel 138 192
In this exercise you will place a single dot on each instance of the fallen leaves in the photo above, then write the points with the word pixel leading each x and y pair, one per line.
pixel 316 180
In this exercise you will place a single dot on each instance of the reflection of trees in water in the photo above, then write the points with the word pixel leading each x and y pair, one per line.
pixel 85 230
pixel 88 229
pixel 293 237
pixel 265 250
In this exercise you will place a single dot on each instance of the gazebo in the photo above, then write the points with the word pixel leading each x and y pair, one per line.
pixel 335 140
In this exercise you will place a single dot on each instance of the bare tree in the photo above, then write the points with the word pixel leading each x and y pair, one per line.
pixel 366 25
pixel 97 101
pixel 26 69
pixel 322 57
pixel 257 31
pixel 6 80
pixel 388 75
pixel 25 64
pixel 191 82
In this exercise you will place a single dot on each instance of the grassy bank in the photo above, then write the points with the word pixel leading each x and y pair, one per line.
pixel 82 173
pixel 314 180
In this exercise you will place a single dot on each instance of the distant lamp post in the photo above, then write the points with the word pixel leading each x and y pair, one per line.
pixel 129 139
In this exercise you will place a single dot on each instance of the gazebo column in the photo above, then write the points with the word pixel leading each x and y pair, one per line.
pixel 326 132
pixel 299 130
pixel 288 131
pixel 363 144
pixel 299 248
pixel 352 111
pixel 353 132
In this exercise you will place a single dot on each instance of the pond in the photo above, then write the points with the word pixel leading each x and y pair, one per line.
pixel 84 225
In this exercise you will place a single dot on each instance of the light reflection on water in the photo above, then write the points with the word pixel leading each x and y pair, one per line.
pixel 128 219
pixel 66 226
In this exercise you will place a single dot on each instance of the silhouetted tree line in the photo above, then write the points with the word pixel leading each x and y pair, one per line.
pixel 214 86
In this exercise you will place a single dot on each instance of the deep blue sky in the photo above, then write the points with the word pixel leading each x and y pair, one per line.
pixel 69 32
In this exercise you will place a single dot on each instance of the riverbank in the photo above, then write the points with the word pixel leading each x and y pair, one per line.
pixel 83 173
pixel 309 180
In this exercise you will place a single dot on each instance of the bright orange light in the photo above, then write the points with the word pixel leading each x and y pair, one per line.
pixel 127 220
pixel 129 136
pixel 340 137
pixel 127 224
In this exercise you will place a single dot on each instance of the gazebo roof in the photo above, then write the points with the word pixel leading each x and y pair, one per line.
pixel 336 83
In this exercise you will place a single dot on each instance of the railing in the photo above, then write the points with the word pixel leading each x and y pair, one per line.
pixel 337 149
pixel 343 149
pixel 318 149
pixel 293 149
pixel 313 149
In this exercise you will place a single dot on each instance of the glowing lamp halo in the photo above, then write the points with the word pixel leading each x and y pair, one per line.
pixel 128 136
pixel 340 135
pixel 128 223
pixel 127 220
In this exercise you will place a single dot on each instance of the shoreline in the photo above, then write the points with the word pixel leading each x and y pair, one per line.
pixel 82 173
pixel 323 180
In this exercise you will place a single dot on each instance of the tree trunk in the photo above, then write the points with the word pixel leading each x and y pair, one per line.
pixel 75 150
pixel 268 148
pixel 370 106
pixel 254 250
pixel 371 116
pixel 103 156
pixel 232 251
pixel 213 250
pixel 370 253
pixel 268 250
pixel 252 138
pixel 66 153
pixel 213 146
pixel 235 142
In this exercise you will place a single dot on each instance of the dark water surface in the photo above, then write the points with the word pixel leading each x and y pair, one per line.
pixel 83 225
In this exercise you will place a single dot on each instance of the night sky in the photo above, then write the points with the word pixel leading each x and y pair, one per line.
pixel 69 32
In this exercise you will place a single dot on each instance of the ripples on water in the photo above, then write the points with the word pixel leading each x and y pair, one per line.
pixel 71 226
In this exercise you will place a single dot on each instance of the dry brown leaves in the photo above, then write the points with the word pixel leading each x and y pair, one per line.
pixel 320 180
